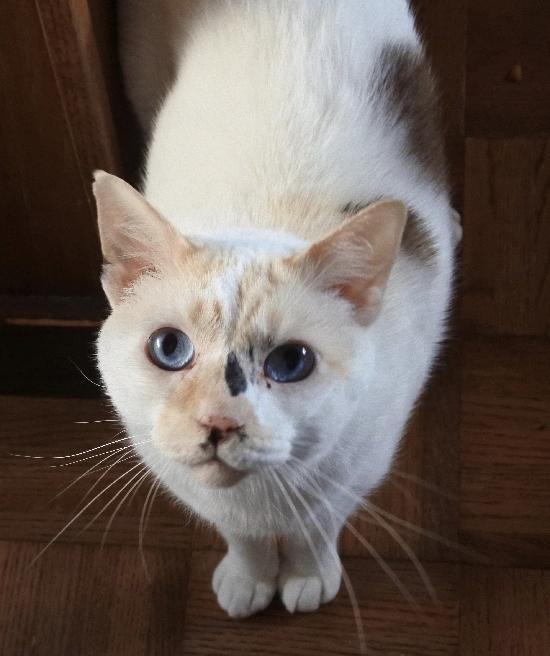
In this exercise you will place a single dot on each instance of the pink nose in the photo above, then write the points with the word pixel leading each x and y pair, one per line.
pixel 220 423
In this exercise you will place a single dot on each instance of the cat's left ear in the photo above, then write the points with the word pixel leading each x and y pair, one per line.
pixel 356 259
pixel 135 238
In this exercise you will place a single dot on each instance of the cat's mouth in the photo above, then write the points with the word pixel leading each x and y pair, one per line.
pixel 216 473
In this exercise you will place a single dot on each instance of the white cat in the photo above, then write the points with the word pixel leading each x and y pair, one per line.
pixel 278 299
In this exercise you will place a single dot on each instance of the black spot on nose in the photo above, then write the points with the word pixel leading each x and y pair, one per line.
pixel 234 376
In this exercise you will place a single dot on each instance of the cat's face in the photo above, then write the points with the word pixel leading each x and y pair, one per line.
pixel 227 363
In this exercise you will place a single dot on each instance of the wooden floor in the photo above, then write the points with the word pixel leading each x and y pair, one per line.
pixel 470 493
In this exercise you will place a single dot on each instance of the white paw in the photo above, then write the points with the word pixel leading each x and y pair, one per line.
pixel 306 593
pixel 238 593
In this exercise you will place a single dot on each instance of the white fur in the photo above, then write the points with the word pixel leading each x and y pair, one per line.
pixel 270 99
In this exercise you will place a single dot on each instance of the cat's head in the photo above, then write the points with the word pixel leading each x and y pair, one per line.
pixel 226 359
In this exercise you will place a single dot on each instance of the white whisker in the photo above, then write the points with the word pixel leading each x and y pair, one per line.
pixel 410 553
pixel 426 533
pixel 125 456
pixel 135 487
pixel 422 483
pixel 73 520
pixel 72 455
pixel 102 453
pixel 84 375
pixel 383 565
pixel 114 497
pixel 406 493
pixel 144 518
pixel 93 468
pixel 97 421
pixel 97 455
pixel 95 448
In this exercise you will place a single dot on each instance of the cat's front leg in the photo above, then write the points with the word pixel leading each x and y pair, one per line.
pixel 245 581
pixel 310 571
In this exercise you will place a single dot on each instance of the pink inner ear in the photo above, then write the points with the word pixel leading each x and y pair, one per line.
pixel 115 280
pixel 354 291
pixel 356 259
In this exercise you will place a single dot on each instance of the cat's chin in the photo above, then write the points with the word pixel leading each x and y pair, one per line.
pixel 217 474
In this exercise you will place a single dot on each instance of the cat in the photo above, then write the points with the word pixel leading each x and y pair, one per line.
pixel 279 290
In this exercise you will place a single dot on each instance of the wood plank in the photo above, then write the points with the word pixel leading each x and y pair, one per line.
pixel 447 53
pixel 71 40
pixel 392 626
pixel 502 99
pixel 505 481
pixel 506 265
pixel 79 600
pixel 504 611
pixel 49 242
pixel 28 507
pixel 506 402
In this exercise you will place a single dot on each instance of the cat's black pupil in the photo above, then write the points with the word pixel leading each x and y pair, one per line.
pixel 291 357
pixel 169 344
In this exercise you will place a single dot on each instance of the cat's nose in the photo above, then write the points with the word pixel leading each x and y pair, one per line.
pixel 220 427
pixel 220 422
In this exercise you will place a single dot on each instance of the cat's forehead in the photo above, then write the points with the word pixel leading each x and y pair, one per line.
pixel 239 299
pixel 236 272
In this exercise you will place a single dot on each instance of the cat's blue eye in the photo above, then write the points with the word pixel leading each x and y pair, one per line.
pixel 170 349
pixel 289 363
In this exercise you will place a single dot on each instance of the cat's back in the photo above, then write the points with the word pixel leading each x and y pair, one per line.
pixel 155 37
pixel 272 103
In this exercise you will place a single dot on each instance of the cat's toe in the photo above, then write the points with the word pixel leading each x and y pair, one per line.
pixel 305 594
pixel 302 594
pixel 241 597
pixel 239 594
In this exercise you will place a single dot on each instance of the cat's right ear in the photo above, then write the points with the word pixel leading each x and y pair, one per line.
pixel 135 238
pixel 355 260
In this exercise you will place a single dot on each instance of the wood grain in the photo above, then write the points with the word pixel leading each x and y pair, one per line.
pixel 78 68
pixel 506 266
pixel 80 600
pixel 503 34
pixel 505 456
pixel 507 612
pixel 49 242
